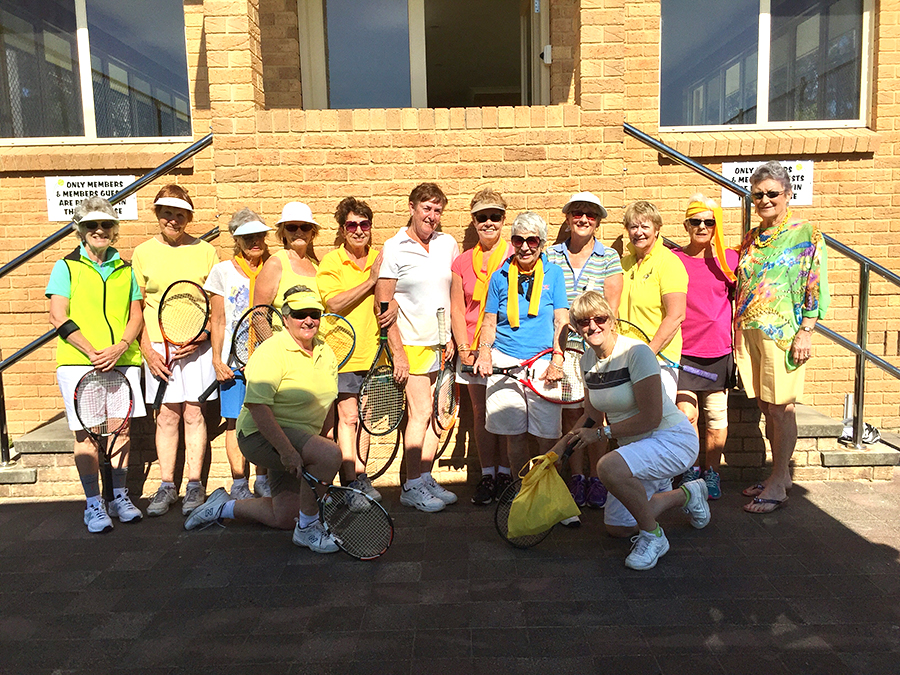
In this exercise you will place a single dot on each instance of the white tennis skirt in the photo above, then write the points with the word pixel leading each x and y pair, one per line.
pixel 190 376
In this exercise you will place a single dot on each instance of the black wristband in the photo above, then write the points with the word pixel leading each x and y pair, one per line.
pixel 67 328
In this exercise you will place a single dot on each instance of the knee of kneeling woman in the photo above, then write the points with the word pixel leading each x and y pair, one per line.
pixel 611 468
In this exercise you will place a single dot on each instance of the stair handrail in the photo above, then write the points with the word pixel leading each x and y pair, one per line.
pixel 866 268
pixel 163 169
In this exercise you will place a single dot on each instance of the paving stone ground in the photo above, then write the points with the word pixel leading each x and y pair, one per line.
pixel 812 588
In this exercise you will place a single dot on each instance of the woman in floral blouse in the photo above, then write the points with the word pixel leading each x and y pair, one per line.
pixel 782 292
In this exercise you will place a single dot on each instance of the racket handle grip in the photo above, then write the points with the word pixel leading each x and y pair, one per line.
pixel 467 369
pixel 570 446
pixel 700 373
pixel 160 394
pixel 209 391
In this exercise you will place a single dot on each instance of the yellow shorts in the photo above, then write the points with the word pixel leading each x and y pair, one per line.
pixel 761 365
pixel 422 360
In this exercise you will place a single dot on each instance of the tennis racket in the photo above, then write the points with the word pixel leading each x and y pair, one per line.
pixel 183 314
pixel 379 453
pixel 446 391
pixel 382 401
pixel 338 334
pixel 505 500
pixel 628 329
pixel 103 404
pixel 255 326
pixel 359 524
pixel 570 389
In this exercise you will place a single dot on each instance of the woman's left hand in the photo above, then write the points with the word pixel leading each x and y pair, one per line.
pixel 554 373
pixel 105 359
pixel 190 348
pixel 801 347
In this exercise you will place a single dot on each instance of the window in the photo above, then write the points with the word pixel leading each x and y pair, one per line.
pixel 423 53
pixel 767 63
pixel 93 69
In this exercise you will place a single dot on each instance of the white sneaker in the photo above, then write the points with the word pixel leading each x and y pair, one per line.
pixel 364 484
pixel 439 490
pixel 421 498
pixel 697 507
pixel 261 488
pixel 241 491
pixel 315 538
pixel 164 497
pixel 646 550
pixel 209 512
pixel 194 496
pixel 96 518
pixel 122 508
pixel 573 521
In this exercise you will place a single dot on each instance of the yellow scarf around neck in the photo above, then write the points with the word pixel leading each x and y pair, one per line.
pixel 251 273
pixel 482 277
pixel 718 238
pixel 512 304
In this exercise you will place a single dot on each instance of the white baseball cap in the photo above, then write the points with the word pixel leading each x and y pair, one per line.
pixel 253 227
pixel 587 198
pixel 296 212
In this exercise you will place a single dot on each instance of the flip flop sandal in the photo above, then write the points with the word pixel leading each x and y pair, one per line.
pixel 774 503
pixel 753 490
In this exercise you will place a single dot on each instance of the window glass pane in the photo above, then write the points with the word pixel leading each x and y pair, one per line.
pixel 708 45
pixel 473 52
pixel 368 53
pixel 139 65
pixel 39 87
pixel 816 62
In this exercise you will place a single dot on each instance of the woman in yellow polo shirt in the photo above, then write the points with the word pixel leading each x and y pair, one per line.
pixel 654 295
pixel 346 281
pixel 291 386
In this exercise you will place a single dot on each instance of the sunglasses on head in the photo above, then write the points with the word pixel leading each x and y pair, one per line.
pixel 96 224
pixel 577 213
pixel 303 227
pixel 493 217
pixel 771 194
pixel 364 225
pixel 599 320
pixel 301 314
pixel 697 222
pixel 532 241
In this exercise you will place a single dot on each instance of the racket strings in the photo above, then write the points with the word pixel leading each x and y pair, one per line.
pixel 338 335
pixel 183 315
pixel 103 402
pixel 255 327
pixel 501 519
pixel 447 403
pixel 362 527
pixel 381 401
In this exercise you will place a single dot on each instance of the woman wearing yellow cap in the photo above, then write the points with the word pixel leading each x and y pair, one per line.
pixel 706 334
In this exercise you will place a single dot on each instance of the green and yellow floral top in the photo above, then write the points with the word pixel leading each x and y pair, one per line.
pixel 782 276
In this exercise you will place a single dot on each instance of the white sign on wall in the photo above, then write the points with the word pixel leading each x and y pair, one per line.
pixel 801 172
pixel 64 193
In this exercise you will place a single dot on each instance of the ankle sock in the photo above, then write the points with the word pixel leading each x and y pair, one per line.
pixel 227 509
pixel 305 520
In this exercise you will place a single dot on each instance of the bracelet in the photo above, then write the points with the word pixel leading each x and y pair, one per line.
pixel 465 348
pixel 67 328
pixel 208 334
pixel 605 431
pixel 485 344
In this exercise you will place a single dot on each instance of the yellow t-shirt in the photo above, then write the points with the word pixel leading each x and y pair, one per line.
pixel 659 273
pixel 290 278
pixel 157 265
pixel 338 273
pixel 299 389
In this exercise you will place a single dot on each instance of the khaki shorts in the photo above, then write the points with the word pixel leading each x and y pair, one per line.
pixel 763 371
pixel 259 451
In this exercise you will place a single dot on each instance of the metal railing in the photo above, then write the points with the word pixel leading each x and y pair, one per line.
pixel 866 268
pixel 163 169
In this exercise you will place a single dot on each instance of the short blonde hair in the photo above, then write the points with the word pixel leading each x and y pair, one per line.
pixel 642 210
pixel 589 303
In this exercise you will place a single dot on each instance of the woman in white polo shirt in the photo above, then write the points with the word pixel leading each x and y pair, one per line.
pixel 415 272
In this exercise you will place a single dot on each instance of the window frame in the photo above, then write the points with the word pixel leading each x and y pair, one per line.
pixel 85 82
pixel 867 55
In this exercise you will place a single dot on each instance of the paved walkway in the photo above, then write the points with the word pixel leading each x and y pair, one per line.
pixel 812 588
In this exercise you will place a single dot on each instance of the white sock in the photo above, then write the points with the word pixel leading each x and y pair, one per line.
pixel 227 509
pixel 119 492
pixel 167 484
pixel 305 520
pixel 237 482
pixel 91 501
pixel 506 470
pixel 194 483
pixel 490 471
pixel 263 479
pixel 415 482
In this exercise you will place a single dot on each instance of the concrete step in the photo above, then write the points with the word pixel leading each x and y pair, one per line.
pixel 52 438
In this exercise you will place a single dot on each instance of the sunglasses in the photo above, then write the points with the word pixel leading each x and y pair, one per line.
pixel 771 194
pixel 493 217
pixel 364 225
pixel 301 314
pixel 97 224
pixel 599 320
pixel 303 227
pixel 587 214
pixel 697 222
pixel 532 241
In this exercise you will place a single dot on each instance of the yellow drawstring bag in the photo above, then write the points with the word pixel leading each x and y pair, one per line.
pixel 543 499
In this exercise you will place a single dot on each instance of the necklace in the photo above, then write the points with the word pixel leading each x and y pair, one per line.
pixel 763 243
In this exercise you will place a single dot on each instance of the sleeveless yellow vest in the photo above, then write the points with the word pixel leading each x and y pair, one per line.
pixel 100 308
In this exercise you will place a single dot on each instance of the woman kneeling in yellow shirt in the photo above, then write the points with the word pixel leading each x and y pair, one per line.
pixel 291 385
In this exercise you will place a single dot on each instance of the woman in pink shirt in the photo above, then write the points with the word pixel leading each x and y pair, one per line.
pixel 706 333
pixel 468 289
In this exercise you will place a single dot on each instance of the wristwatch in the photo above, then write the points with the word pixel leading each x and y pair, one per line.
pixel 806 329
pixel 606 431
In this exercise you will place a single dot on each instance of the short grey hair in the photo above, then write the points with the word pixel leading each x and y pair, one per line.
pixel 242 217
pixel 101 205
pixel 775 171
pixel 529 222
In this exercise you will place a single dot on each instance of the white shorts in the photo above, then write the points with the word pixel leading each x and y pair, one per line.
pixel 190 376
pixel 512 409
pixel 68 377
pixel 468 378
pixel 669 377
pixel 654 461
